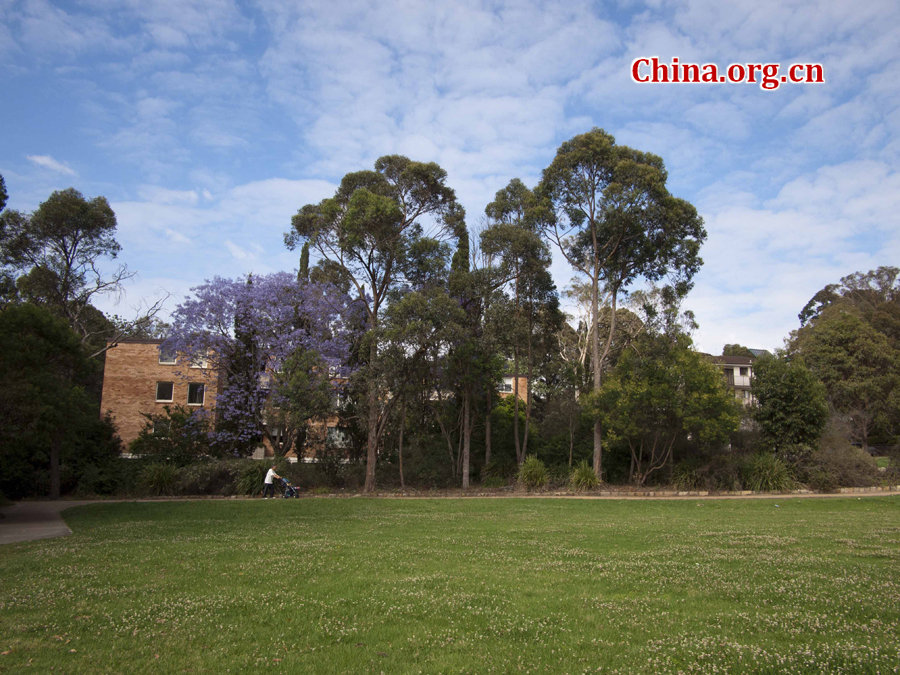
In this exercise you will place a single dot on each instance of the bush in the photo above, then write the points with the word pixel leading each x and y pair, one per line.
pixel 719 473
pixel 494 482
pixel 558 476
pixel 767 473
pixel 843 463
pixel 217 477
pixel 532 473
pixel 499 469
pixel 583 477
pixel 178 436
pixel 251 477
pixel 157 478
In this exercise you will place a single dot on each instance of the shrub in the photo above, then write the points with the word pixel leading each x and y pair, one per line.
pixel 847 465
pixel 583 477
pixel 321 490
pixel 721 472
pixel 767 473
pixel 494 482
pixel 691 474
pixel 178 436
pixel 822 480
pixel 251 477
pixel 499 469
pixel 532 473
pixel 217 477
pixel 558 476
pixel 157 478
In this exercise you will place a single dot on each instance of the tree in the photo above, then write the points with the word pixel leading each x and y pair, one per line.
pixel 59 247
pixel 615 222
pixel 365 231
pixel 858 366
pixel 524 258
pixel 790 402
pixel 48 413
pixel 737 350
pixel 277 344
pixel 659 394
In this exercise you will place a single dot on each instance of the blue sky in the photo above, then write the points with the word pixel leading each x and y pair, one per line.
pixel 208 123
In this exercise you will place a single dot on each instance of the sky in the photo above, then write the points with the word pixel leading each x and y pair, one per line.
pixel 208 123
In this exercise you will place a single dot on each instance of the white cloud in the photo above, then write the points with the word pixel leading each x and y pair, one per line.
pixel 47 162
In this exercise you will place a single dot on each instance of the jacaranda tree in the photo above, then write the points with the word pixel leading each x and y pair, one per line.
pixel 256 332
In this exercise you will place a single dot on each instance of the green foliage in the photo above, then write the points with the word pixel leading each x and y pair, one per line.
pixel 737 350
pixel 859 367
pixel 837 463
pixel 215 477
pixel 177 436
pixel 504 468
pixel 583 477
pixel 494 482
pixel 790 402
pixel 52 426
pixel 767 473
pixel 532 473
pixel 251 478
pixel 158 478
pixel 660 394
pixel 715 473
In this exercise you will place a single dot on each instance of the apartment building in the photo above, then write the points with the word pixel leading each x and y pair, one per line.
pixel 737 371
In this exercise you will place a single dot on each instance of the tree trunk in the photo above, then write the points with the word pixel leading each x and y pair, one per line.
pixel 372 440
pixel 467 438
pixel 571 439
pixel 515 391
pixel 400 447
pixel 595 355
pixel 487 427
pixel 55 447
pixel 527 386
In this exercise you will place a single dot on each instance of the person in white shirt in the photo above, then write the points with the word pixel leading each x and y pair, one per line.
pixel 269 488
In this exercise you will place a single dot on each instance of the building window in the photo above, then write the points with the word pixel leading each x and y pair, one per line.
pixel 745 372
pixel 506 386
pixel 199 361
pixel 164 392
pixel 166 356
pixel 195 393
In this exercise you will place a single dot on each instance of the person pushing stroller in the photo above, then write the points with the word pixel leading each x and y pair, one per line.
pixel 269 482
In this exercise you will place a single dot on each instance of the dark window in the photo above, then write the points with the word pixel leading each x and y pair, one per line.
pixel 165 391
pixel 166 356
pixel 195 393
pixel 745 372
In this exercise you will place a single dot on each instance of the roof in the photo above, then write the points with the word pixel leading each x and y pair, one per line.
pixel 732 360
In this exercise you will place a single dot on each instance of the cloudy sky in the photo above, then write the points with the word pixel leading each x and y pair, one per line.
pixel 208 123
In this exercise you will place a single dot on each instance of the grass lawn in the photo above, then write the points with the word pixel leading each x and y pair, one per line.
pixel 459 586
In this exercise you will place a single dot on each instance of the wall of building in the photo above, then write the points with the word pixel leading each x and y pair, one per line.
pixel 129 385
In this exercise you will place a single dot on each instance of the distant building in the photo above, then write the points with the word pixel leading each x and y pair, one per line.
pixel 139 379
pixel 737 371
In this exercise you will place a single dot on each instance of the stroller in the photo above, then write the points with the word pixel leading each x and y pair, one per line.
pixel 290 491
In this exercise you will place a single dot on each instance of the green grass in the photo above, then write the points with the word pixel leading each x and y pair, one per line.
pixel 883 462
pixel 459 586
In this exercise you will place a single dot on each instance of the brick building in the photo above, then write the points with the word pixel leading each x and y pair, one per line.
pixel 138 378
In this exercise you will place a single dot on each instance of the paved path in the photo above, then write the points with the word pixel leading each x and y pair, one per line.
pixel 27 521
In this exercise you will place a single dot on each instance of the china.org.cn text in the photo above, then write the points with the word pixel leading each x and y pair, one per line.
pixel 770 76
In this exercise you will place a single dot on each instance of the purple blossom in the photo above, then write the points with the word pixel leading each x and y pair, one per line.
pixel 275 316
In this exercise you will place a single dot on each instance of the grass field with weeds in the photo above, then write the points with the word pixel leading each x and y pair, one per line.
pixel 459 586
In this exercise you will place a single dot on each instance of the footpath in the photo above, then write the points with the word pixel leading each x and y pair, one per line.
pixel 29 521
